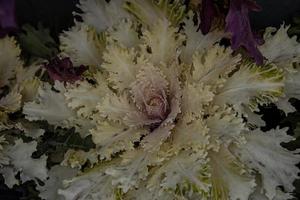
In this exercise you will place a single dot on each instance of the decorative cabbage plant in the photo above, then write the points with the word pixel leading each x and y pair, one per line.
pixel 172 112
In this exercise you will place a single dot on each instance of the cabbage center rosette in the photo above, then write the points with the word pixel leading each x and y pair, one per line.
pixel 171 111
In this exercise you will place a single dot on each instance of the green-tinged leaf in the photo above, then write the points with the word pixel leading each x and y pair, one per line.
pixel 252 85
pixel 38 42
pixel 151 11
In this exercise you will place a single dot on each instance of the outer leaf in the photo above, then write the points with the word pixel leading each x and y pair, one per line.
pixel 91 185
pixel 279 48
pixel 276 165
pixel 224 125
pixel 49 105
pixel 102 15
pixel 83 45
pixel 230 180
pixel 56 175
pixel 212 64
pixel 185 174
pixel 252 85
pixel 11 102
pixel 4 160
pixel 133 169
pixel 20 156
pixel 195 40
pixel 149 12
pixel 9 59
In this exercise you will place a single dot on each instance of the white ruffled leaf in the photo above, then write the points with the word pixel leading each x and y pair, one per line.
pixel 20 157
pixel 83 45
pixel 49 105
pixel 275 164
pixel 91 185
pixel 225 126
pixel 102 15
pixel 56 176
pixel 279 48
pixel 195 40
pixel 132 170
pixel 9 176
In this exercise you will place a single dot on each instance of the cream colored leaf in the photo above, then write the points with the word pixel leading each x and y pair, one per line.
pixel 11 102
pixel 132 170
pixel 83 45
pixel 24 74
pixel 230 179
pixel 111 138
pixel 9 59
pixel 149 12
pixel 29 89
pixel 84 97
pixel 225 125
pixel 195 97
pixel 251 85
pixel 190 135
pixel 119 108
pixel 102 15
pixel 195 40
pixel 91 185
pixel 9 174
pixel 124 33
pixel 120 63
pixel 185 174
pixel 213 63
pixel 163 41
pixel 153 140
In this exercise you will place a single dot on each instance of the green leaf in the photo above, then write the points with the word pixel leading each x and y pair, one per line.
pixel 38 42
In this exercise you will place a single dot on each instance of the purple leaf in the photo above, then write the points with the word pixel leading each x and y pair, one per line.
pixel 207 15
pixel 238 24
pixel 7 17
pixel 64 71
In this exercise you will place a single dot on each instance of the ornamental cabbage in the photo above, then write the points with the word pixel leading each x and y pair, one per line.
pixel 172 112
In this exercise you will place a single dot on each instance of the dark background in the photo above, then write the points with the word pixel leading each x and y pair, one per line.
pixel 57 16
